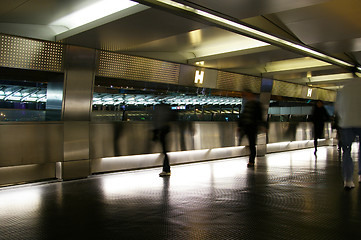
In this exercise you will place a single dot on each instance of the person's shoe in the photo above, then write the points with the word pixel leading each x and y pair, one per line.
pixel 348 184
pixel 250 165
pixel 359 178
pixel 164 174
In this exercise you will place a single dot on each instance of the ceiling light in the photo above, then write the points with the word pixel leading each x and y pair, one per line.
pixel 331 77
pixel 93 12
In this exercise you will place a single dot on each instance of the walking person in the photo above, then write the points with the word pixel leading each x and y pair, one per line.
pixel 162 117
pixel 319 116
pixel 349 111
pixel 249 122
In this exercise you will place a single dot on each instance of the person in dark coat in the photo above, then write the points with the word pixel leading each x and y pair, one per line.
pixel 319 116
pixel 162 118
pixel 249 122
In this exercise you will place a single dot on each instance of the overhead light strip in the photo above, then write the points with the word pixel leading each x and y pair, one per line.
pixel 256 33
pixel 98 10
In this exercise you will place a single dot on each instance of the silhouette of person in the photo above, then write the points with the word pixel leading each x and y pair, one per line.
pixel 249 121
pixel 319 116
pixel 348 108
pixel 162 117
pixel 335 125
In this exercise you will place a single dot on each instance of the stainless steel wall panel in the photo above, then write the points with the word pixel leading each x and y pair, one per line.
pixel 293 131
pixel 75 169
pixel 113 139
pixel 132 138
pixel 186 75
pixel 209 140
pixel 287 89
pixel 31 151
pixel 78 83
pixel 17 52
pixel 30 143
pixel 78 94
pixel 299 91
pixel 326 95
pixel 26 173
pixel 120 139
pixel 238 82
pixel 136 68
pixel 76 140
pixel 156 160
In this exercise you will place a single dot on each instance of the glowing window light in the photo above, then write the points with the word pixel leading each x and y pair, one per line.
pixel 13 98
pixel 93 12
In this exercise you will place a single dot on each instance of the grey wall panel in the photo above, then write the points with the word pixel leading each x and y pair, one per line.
pixel 30 143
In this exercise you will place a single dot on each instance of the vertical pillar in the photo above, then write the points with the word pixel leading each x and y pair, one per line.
pixel 265 97
pixel 54 100
pixel 78 91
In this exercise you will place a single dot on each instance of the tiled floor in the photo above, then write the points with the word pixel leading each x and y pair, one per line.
pixel 287 196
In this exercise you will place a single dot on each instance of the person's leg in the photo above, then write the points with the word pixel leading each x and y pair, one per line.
pixel 338 136
pixel 347 137
pixel 315 144
pixel 166 166
pixel 252 135
pixel 318 134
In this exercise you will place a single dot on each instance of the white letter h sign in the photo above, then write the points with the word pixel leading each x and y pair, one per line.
pixel 199 77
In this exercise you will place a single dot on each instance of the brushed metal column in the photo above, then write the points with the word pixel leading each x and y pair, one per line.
pixel 78 86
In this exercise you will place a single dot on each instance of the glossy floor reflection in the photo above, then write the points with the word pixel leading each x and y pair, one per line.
pixel 286 196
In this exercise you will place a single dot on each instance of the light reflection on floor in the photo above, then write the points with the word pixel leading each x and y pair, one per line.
pixel 220 173
pixel 288 194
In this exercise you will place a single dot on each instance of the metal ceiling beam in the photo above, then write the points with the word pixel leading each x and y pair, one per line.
pixel 197 13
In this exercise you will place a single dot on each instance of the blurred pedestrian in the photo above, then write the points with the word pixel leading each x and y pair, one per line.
pixel 162 118
pixel 335 125
pixel 249 122
pixel 349 112
pixel 319 116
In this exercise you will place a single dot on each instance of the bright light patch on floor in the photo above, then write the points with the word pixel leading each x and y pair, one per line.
pixel 130 183
pixel 20 201
pixel 93 12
